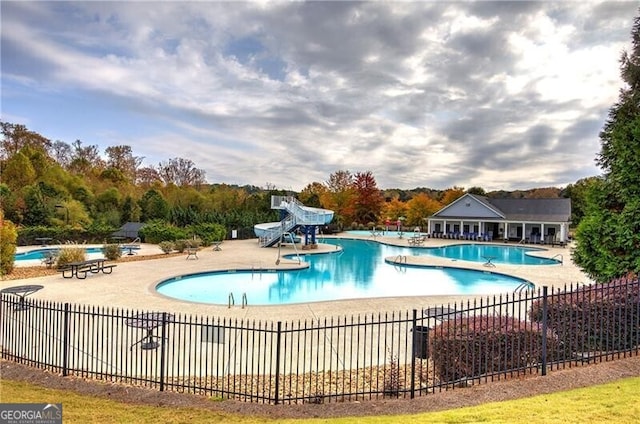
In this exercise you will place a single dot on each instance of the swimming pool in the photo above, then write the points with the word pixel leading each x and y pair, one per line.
pixel 479 252
pixel 357 271
pixel 38 254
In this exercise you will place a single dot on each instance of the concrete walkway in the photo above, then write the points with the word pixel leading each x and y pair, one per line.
pixel 132 284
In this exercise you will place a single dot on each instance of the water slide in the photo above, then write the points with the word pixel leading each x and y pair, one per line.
pixel 295 215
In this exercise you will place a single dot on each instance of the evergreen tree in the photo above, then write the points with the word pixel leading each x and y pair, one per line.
pixel 608 238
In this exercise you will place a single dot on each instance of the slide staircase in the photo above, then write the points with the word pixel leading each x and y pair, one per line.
pixel 297 215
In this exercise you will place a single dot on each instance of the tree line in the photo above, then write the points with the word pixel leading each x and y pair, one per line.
pixel 47 183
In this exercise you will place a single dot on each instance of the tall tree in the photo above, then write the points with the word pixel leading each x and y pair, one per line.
pixel 421 206
pixel 122 159
pixel 451 194
pixel 85 158
pixel 181 172
pixel 608 238
pixel 369 200
pixel 311 194
pixel 340 197
pixel 16 136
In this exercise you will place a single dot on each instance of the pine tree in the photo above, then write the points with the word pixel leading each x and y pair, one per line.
pixel 608 237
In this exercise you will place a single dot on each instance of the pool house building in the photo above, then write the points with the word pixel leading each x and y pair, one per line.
pixel 483 218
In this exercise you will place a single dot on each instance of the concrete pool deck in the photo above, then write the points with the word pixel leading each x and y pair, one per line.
pixel 132 284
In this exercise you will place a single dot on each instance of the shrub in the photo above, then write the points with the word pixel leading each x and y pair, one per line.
pixel 195 242
pixel 158 231
pixel 470 347
pixel 71 254
pixel 598 317
pixel 393 378
pixel 8 237
pixel 181 245
pixel 112 251
pixel 208 232
pixel 166 246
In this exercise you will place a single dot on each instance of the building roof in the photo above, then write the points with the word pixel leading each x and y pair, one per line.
pixel 130 230
pixel 548 210
pixel 529 210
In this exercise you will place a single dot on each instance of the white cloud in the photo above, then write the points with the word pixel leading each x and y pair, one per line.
pixel 421 93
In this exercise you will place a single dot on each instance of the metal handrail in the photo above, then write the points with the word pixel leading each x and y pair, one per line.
pixel 525 285
pixel 245 302
pixel 561 258
pixel 231 300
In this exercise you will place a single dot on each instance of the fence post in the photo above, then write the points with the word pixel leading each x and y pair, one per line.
pixel 65 341
pixel 162 350
pixel 413 354
pixel 278 336
pixel 544 329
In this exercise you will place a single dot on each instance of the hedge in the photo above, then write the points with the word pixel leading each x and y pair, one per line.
pixel 466 348
pixel 598 318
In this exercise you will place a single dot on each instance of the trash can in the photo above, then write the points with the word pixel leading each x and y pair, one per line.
pixel 421 341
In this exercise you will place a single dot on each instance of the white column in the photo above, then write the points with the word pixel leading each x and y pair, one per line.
pixel 563 232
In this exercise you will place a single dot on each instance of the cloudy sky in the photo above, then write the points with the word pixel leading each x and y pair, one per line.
pixel 501 95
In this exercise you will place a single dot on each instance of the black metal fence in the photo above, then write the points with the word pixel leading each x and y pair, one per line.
pixel 399 354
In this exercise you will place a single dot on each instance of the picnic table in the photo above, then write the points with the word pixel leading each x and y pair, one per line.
pixel 130 248
pixel 22 292
pixel 148 321
pixel 81 268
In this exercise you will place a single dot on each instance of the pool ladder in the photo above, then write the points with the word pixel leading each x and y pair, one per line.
pixel 232 300
pixel 523 287
pixel 559 255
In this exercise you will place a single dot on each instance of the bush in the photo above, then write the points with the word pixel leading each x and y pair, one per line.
pixel 208 233
pixel 112 251
pixel 167 246
pixel 470 347
pixel 181 245
pixel 600 317
pixel 68 255
pixel 8 237
pixel 93 234
pixel 158 231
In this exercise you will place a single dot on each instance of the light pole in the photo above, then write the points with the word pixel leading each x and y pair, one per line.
pixel 67 211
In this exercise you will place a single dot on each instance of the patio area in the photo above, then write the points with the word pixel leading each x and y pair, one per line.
pixel 133 285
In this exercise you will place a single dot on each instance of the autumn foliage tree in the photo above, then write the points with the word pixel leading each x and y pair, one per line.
pixel 368 198
pixel 420 207
pixel 340 197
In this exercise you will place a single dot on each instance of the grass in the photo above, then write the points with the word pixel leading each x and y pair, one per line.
pixel 614 402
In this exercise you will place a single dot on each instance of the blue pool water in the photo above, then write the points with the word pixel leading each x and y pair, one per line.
pixel 477 252
pixel 357 271
pixel 38 254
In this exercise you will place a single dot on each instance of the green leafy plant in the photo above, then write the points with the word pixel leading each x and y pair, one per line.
pixel 167 246
pixel 8 237
pixel 112 251
pixel 68 255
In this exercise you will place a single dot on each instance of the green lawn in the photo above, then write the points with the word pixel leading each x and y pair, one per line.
pixel 615 402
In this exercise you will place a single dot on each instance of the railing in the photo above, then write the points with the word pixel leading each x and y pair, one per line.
pixel 272 235
pixel 525 285
pixel 344 358
pixel 559 255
